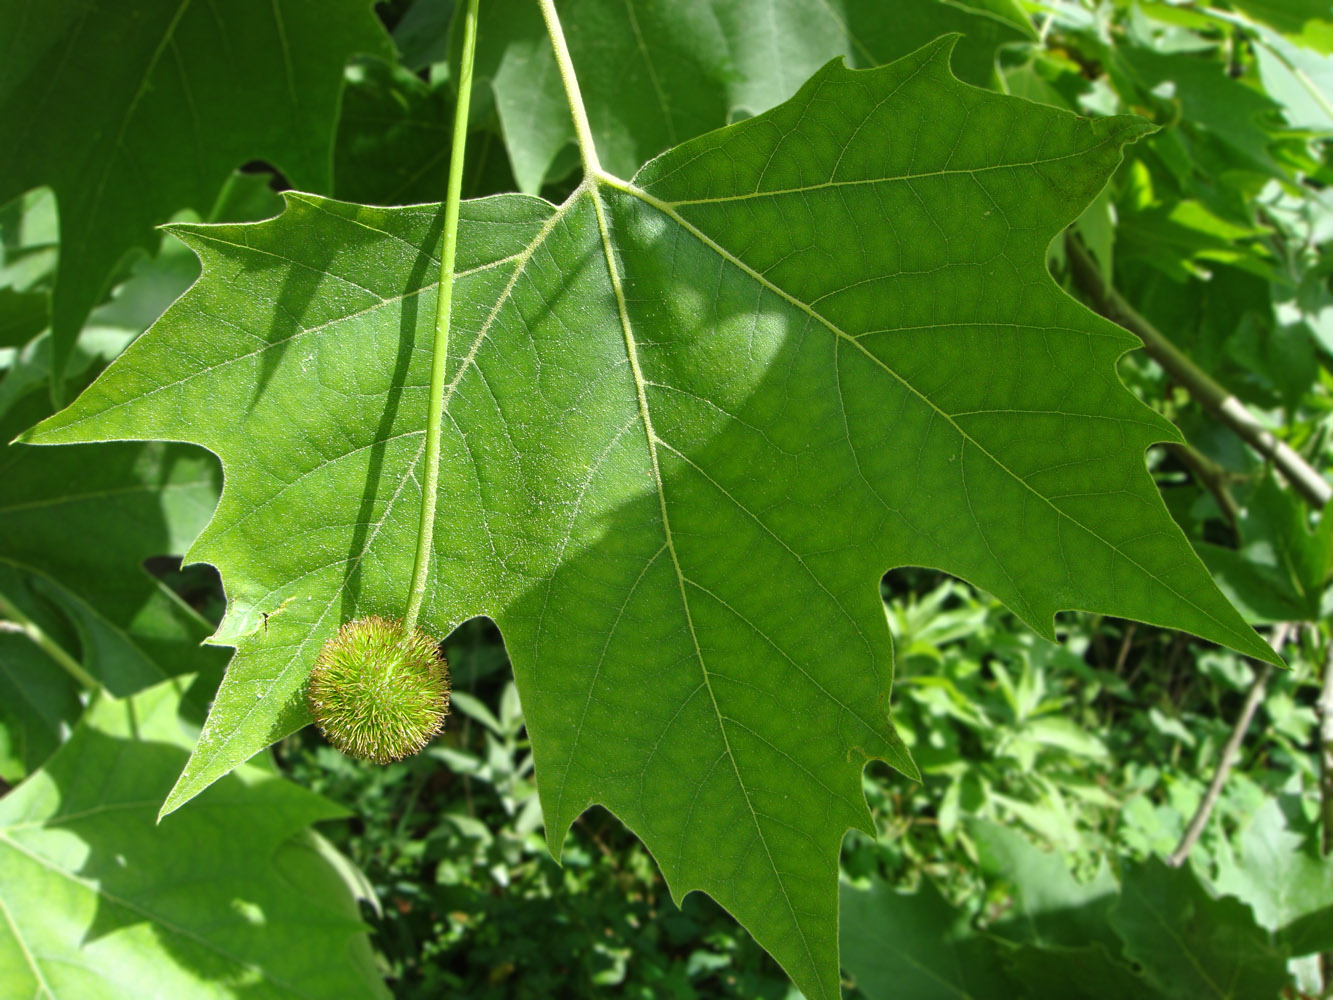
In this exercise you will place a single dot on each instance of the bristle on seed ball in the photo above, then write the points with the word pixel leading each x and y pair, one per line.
pixel 377 693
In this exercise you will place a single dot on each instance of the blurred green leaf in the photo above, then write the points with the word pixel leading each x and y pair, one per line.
pixel 1190 943
pixel 915 946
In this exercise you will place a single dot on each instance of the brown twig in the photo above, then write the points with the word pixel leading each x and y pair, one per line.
pixel 1202 386
pixel 1228 758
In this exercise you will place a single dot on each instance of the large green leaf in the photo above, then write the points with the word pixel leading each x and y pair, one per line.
pixel 655 73
pixel 690 422
pixel 130 119
pixel 229 900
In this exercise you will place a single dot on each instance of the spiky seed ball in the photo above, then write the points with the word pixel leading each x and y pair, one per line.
pixel 377 693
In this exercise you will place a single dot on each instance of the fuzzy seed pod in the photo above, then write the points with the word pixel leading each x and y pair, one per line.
pixel 377 693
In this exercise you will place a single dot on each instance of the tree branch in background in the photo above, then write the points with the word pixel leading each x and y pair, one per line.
pixel 1324 707
pixel 1212 475
pixel 1200 819
pixel 1202 386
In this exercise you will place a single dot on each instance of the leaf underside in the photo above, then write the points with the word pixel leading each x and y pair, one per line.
pixel 691 419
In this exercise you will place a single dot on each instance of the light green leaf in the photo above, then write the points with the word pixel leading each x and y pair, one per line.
pixel 1287 884
pixel 655 73
pixel 130 119
pixel 229 900
pixel 690 422
pixel 1051 907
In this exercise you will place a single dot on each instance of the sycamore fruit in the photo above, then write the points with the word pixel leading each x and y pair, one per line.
pixel 378 693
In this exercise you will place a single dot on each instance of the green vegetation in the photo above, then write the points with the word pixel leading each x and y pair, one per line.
pixel 729 332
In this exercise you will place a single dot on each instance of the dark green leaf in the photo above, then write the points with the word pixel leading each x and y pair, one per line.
pixel 131 119
pixel 658 72
pixel 76 526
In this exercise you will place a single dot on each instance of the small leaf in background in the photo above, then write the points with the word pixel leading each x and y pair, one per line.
pixel 1282 568
pixel 75 529
pixel 1051 906
pixel 39 704
pixel 1280 874
pixel 234 899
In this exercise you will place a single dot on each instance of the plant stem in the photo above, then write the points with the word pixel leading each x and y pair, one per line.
pixel 592 167
pixel 440 356
pixel 1205 810
pixel 1230 410
pixel 28 627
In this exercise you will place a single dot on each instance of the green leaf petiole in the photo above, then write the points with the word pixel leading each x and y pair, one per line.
pixel 435 415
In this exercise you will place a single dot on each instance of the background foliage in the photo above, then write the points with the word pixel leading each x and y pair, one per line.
pixel 1216 230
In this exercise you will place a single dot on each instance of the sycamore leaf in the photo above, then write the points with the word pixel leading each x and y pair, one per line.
pixel 130 119
pixel 655 73
pixel 232 900
pixel 690 421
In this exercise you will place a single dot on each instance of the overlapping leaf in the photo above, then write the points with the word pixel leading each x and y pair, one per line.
pixel 130 119
pixel 690 421
pixel 232 901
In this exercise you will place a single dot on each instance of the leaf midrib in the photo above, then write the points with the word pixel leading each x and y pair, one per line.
pixel 641 391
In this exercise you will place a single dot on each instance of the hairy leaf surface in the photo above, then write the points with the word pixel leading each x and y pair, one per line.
pixel 690 421
pixel 130 119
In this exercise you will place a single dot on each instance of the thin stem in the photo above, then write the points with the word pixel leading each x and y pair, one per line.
pixel 440 358
pixel 1212 475
pixel 25 625
pixel 592 167
pixel 1228 758
pixel 1324 709
pixel 1202 386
